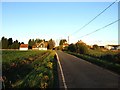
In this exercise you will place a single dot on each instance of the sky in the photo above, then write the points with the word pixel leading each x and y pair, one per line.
pixel 58 20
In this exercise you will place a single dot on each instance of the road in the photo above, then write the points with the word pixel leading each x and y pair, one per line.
pixel 79 73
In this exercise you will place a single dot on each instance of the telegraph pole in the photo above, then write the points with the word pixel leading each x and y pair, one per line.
pixel 68 39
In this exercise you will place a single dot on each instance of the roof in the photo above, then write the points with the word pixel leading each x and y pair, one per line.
pixel 65 44
pixel 33 46
pixel 114 45
pixel 42 44
pixel 24 46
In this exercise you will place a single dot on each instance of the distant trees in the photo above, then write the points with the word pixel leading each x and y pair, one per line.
pixel 9 44
pixel 0 44
pixel 51 44
pixel 62 41
pixel 15 45
pixel 22 43
pixel 62 44
pixel 39 40
pixel 81 48
pixel 31 43
pixel 72 48
pixel 4 42
pixel 95 46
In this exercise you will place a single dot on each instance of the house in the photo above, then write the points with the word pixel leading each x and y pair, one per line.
pixel 112 47
pixel 65 45
pixel 118 48
pixel 102 47
pixel 23 47
pixel 34 47
pixel 109 47
pixel 40 46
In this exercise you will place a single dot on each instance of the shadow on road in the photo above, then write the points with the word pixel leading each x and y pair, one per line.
pixel 55 73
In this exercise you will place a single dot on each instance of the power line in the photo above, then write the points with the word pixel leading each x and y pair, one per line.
pixel 100 28
pixel 95 17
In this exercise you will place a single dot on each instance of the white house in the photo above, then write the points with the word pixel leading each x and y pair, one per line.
pixel 40 46
pixel 24 47
pixel 112 47
pixel 109 47
pixel 118 48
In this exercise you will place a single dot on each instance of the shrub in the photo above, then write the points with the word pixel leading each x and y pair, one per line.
pixel 81 48
pixel 117 58
pixel 72 48
pixel 95 47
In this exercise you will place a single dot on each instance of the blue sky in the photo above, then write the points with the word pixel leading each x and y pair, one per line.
pixel 46 20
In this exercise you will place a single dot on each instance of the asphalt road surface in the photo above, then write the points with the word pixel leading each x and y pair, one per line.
pixel 79 73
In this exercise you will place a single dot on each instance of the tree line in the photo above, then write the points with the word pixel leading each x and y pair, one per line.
pixel 49 44
pixel 79 47
pixel 10 44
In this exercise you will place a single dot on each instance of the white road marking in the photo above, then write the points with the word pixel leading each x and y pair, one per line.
pixel 63 78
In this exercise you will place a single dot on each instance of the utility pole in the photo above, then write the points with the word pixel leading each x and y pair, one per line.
pixel 68 39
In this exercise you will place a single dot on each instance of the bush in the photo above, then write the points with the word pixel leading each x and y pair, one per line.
pixel 108 57
pixel 78 47
pixel 117 58
pixel 72 48
pixel 82 48
pixel 95 47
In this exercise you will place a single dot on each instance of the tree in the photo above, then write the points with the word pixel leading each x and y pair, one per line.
pixel 22 43
pixel 4 42
pixel 72 48
pixel 81 48
pixel 51 44
pixel 95 46
pixel 0 44
pixel 62 41
pixel 38 40
pixel 10 42
pixel 15 45
pixel 31 43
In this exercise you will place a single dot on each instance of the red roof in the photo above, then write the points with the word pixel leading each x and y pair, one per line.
pixel 24 46
pixel 66 44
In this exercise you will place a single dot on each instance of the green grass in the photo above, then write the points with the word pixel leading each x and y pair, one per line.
pixel 28 69
pixel 110 56
pixel 99 53
pixel 11 55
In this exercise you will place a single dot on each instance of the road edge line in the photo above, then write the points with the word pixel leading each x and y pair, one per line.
pixel 63 78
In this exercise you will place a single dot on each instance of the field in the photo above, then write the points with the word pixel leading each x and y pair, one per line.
pixel 28 69
pixel 108 55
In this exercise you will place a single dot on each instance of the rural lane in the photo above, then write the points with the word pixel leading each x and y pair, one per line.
pixel 79 73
